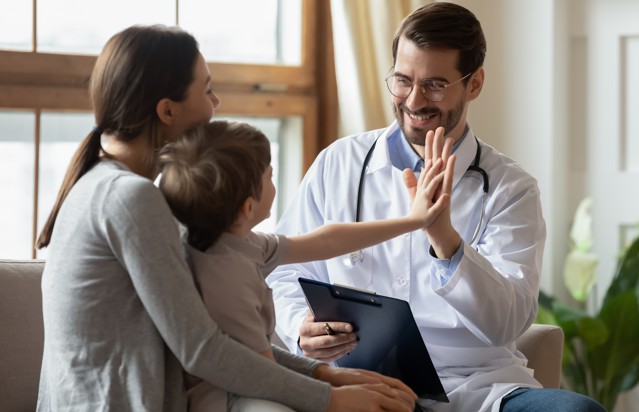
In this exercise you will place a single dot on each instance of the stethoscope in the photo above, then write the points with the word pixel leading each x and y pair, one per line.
pixel 358 256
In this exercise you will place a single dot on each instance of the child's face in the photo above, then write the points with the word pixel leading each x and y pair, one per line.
pixel 263 206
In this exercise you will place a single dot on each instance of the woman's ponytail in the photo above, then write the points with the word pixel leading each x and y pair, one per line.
pixel 85 157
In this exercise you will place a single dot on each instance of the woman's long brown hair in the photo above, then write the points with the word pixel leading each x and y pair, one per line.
pixel 137 68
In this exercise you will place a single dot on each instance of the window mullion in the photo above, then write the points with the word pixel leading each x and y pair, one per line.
pixel 36 182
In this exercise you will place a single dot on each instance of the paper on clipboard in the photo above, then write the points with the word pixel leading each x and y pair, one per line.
pixel 389 340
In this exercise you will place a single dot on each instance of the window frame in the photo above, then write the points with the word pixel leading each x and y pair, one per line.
pixel 38 81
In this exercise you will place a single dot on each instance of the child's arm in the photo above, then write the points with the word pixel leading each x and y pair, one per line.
pixel 341 238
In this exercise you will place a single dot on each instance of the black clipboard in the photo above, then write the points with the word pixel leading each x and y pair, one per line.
pixel 389 340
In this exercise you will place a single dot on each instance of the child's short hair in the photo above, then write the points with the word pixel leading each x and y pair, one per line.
pixel 209 173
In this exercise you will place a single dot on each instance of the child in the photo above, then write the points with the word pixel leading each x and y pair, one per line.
pixel 217 181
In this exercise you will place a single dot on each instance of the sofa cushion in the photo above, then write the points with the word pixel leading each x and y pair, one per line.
pixel 21 334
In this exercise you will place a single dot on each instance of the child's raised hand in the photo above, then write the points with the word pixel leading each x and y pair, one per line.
pixel 431 192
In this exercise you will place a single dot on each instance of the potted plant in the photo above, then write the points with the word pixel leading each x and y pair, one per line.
pixel 601 351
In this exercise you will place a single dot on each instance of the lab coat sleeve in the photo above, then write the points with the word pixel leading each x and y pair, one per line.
pixel 495 287
pixel 303 215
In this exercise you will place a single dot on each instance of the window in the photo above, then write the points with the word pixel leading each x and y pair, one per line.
pixel 17 182
pixel 266 59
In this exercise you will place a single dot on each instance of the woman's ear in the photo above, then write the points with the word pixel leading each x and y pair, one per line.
pixel 165 110
pixel 475 84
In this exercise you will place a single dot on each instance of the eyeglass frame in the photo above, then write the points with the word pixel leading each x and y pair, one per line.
pixel 423 86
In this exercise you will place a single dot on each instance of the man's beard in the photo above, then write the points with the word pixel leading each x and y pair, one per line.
pixel 417 136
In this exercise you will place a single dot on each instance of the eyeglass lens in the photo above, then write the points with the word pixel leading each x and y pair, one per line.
pixel 402 87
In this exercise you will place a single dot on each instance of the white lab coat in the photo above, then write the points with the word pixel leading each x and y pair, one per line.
pixel 470 324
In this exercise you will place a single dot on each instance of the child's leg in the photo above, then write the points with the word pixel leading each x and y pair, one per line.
pixel 240 404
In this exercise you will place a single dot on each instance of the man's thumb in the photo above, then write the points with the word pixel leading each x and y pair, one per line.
pixel 410 181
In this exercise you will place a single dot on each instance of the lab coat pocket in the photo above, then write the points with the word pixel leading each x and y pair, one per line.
pixel 354 269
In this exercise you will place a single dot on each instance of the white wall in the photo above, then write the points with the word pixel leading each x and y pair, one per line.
pixel 521 110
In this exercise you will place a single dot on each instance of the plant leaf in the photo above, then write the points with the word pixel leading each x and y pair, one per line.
pixel 545 300
pixel 567 317
pixel 627 276
pixel 592 331
pixel 631 378
pixel 621 351
pixel 546 317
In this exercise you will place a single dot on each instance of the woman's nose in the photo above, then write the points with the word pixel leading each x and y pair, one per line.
pixel 216 100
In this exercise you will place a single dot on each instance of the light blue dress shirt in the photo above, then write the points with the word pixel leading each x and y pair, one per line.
pixel 402 156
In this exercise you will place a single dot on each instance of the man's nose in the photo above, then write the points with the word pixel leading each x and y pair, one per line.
pixel 416 100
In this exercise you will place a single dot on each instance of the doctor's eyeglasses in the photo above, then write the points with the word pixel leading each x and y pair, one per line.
pixel 434 90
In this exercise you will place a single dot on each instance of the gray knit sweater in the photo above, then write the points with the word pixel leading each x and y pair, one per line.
pixel 122 314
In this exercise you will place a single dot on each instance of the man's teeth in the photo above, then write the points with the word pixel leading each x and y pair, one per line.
pixel 422 117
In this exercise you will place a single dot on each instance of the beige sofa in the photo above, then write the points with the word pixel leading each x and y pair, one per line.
pixel 21 338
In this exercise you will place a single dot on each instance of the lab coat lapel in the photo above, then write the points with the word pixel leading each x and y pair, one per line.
pixel 380 158
pixel 465 154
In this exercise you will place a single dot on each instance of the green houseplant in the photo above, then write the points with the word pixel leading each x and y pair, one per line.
pixel 601 351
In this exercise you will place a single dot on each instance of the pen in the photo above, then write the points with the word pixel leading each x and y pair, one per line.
pixel 328 329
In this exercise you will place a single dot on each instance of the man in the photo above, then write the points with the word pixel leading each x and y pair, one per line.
pixel 472 276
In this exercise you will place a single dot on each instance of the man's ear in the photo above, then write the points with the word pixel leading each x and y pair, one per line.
pixel 165 110
pixel 475 84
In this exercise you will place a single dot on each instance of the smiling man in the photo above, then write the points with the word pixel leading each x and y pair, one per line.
pixel 472 276
pixel 437 100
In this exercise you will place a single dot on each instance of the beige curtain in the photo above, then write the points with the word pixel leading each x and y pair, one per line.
pixel 363 32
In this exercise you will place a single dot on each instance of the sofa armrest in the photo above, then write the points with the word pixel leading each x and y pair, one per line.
pixel 543 345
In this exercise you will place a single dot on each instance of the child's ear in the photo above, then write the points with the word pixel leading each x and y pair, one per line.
pixel 247 210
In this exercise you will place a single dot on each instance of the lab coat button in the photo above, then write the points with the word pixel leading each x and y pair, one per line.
pixel 402 281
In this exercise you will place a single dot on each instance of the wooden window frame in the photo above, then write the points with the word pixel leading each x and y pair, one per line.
pixel 47 81
pixel 38 82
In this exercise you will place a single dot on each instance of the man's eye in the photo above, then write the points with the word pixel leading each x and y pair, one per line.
pixel 435 86
pixel 402 82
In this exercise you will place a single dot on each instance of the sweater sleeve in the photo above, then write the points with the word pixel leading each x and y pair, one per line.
pixel 294 362
pixel 144 238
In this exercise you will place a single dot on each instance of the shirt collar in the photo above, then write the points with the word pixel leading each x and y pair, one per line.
pixel 402 155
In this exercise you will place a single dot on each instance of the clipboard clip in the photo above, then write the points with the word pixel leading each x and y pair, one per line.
pixel 358 295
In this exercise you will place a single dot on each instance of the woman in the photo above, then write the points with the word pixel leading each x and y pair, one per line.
pixel 121 312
